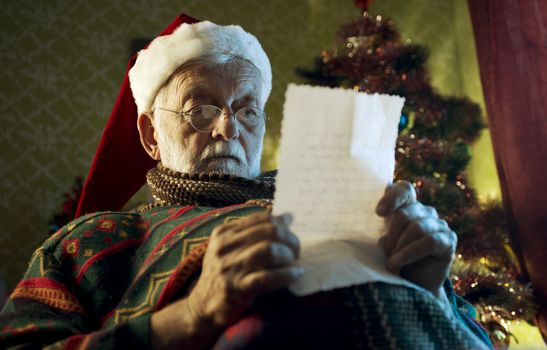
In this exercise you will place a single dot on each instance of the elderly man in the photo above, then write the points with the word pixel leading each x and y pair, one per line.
pixel 205 264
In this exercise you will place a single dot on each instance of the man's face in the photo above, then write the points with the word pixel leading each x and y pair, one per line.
pixel 230 148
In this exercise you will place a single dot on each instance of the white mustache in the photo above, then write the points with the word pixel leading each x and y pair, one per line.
pixel 223 149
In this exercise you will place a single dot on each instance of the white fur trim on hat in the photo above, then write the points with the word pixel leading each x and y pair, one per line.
pixel 165 54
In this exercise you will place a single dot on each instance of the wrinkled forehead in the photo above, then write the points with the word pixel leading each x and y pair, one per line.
pixel 237 79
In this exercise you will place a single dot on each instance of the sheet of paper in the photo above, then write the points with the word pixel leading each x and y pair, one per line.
pixel 336 159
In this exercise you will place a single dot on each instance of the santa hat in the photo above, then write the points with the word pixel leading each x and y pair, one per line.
pixel 120 164
pixel 166 54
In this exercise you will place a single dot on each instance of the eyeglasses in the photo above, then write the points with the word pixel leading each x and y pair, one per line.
pixel 204 118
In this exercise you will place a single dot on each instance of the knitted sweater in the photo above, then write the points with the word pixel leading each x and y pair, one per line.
pixel 95 283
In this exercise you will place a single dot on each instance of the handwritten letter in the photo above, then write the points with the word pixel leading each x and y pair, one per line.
pixel 336 159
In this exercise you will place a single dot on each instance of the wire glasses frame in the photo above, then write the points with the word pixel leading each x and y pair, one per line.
pixel 204 118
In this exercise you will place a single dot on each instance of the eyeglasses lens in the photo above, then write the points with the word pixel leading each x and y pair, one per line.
pixel 205 117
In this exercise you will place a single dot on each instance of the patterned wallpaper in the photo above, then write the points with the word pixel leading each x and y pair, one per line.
pixel 63 62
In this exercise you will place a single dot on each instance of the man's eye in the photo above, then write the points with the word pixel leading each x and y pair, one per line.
pixel 250 113
pixel 208 112
pixel 196 111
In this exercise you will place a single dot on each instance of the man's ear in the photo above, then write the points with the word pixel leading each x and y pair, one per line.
pixel 148 135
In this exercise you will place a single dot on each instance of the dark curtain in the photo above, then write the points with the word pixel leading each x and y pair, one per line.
pixel 511 40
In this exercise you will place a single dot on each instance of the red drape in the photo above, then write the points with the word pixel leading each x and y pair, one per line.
pixel 511 40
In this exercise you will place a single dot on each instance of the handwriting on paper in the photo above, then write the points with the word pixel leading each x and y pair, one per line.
pixel 336 159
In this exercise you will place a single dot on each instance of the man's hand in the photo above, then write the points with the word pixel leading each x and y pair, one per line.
pixel 245 258
pixel 418 244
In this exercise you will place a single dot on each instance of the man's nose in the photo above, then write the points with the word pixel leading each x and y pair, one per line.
pixel 227 127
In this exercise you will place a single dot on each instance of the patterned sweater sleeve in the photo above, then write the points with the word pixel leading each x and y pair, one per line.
pixel 44 310
pixel 466 313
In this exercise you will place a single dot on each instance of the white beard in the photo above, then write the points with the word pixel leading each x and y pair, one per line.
pixel 225 157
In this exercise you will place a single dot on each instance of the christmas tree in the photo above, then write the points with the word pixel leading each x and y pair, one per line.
pixel 433 150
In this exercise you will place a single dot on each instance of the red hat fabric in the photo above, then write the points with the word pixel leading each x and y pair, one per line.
pixel 157 63
pixel 120 164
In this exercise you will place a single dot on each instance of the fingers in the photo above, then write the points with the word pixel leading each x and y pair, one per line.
pixel 245 259
pixel 246 221
pixel 400 194
pixel 264 255
pixel 220 229
pixel 274 230
pixel 427 237
pixel 399 221
pixel 259 242
pixel 264 281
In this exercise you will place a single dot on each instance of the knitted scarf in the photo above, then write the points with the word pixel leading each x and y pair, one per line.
pixel 170 187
